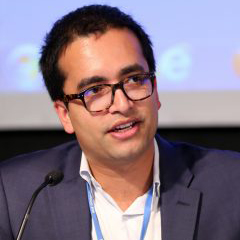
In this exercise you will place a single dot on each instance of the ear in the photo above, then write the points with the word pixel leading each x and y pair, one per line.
pixel 63 115
pixel 156 94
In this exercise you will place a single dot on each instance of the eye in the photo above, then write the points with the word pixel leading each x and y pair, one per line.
pixel 137 79
pixel 96 90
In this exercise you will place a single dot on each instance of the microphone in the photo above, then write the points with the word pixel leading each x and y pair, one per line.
pixel 52 179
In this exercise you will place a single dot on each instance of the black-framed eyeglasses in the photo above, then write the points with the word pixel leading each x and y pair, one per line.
pixel 100 97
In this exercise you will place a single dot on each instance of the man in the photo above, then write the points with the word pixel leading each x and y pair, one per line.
pixel 98 66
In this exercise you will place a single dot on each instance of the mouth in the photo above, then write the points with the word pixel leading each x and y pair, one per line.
pixel 124 130
pixel 124 127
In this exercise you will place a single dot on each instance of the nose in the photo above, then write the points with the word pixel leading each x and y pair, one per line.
pixel 120 103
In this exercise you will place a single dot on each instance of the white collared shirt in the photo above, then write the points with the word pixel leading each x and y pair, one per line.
pixel 116 224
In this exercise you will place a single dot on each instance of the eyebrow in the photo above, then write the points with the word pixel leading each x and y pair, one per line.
pixel 99 79
pixel 129 69
pixel 91 80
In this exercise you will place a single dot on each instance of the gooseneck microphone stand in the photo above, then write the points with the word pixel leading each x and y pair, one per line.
pixel 52 179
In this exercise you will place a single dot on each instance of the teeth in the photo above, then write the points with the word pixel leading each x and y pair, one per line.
pixel 127 125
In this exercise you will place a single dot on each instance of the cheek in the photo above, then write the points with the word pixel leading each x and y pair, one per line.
pixel 86 131
pixel 79 118
pixel 84 123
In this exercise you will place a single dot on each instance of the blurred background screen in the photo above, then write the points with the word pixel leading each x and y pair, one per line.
pixel 196 45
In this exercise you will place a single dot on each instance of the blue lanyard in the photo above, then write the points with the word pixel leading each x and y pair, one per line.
pixel 146 217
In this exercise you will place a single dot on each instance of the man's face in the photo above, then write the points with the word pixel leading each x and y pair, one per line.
pixel 108 57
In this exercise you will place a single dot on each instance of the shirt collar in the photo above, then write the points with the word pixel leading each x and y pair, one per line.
pixel 156 171
pixel 86 174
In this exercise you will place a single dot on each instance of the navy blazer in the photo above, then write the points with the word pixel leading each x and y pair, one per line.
pixel 200 194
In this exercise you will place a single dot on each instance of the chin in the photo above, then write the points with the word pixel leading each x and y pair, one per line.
pixel 128 153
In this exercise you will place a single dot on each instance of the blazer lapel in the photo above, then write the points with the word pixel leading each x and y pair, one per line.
pixel 179 204
pixel 68 201
pixel 179 210
pixel 70 210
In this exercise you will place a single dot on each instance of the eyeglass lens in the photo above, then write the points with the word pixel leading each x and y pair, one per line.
pixel 100 97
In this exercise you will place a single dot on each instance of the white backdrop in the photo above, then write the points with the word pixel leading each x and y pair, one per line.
pixel 196 44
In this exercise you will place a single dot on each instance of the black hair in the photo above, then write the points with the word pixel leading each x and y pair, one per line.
pixel 82 22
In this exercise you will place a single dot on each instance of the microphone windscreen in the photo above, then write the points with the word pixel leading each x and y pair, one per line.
pixel 54 177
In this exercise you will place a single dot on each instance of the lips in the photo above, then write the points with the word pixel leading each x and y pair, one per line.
pixel 124 126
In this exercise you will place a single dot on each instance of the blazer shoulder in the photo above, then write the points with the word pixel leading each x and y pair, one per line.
pixel 209 157
pixel 43 161
pixel 198 158
pixel 207 163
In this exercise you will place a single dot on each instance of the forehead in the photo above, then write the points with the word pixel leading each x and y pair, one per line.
pixel 101 55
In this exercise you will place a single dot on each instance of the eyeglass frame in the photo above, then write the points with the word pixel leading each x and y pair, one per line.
pixel 69 97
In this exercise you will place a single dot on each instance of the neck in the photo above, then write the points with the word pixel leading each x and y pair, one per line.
pixel 125 182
